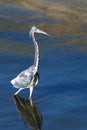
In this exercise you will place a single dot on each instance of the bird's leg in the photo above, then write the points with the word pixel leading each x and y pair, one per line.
pixel 18 91
pixel 31 90
pixel 31 103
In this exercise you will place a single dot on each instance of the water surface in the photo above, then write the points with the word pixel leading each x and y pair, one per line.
pixel 60 98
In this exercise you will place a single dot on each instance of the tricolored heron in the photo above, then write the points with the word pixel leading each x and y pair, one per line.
pixel 29 77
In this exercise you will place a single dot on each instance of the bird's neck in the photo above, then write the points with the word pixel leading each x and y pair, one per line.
pixel 36 60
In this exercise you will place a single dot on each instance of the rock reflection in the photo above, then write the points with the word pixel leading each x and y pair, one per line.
pixel 28 112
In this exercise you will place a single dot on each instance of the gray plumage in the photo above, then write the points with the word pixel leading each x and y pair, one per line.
pixel 29 77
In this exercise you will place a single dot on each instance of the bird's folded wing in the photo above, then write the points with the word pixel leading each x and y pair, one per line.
pixel 24 78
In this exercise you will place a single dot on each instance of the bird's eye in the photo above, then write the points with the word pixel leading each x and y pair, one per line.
pixel 35 29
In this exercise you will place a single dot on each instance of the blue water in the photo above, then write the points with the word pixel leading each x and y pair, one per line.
pixel 61 95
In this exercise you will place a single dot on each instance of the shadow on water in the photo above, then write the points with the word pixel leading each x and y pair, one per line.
pixel 65 20
pixel 28 112
pixel 65 17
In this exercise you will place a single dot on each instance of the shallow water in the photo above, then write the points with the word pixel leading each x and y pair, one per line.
pixel 60 99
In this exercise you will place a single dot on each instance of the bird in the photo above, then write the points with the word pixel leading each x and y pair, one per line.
pixel 29 77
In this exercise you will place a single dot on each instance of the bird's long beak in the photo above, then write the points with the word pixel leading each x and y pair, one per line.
pixel 40 31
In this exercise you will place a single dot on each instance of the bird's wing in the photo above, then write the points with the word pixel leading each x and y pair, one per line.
pixel 24 78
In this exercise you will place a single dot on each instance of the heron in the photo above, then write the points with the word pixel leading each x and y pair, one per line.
pixel 29 77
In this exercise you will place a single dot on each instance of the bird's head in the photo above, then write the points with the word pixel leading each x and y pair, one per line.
pixel 34 29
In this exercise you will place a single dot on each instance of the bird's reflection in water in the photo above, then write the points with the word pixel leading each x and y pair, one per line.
pixel 28 112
